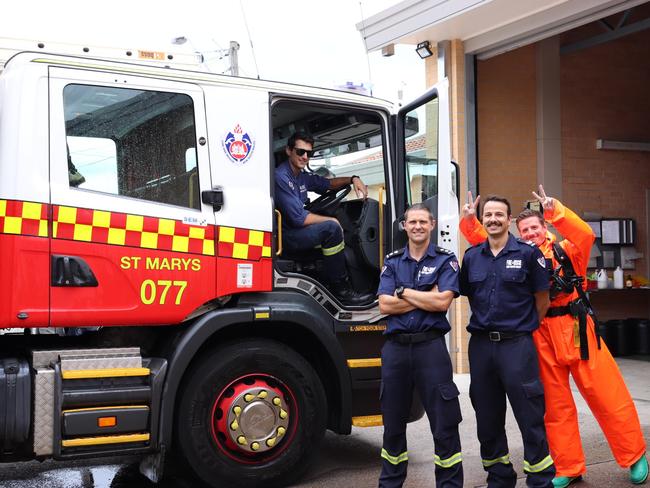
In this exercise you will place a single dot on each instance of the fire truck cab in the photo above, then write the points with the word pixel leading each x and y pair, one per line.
pixel 157 312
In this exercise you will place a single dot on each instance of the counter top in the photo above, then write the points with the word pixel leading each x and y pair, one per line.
pixel 642 288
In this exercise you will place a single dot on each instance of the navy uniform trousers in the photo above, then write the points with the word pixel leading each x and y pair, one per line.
pixel 427 367
pixel 509 367
pixel 328 236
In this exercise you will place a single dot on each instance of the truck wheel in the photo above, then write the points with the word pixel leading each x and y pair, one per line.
pixel 251 414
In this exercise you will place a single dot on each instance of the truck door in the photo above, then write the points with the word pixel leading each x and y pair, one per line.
pixel 424 171
pixel 238 124
pixel 132 242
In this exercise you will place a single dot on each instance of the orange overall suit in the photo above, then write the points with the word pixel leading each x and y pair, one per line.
pixel 598 378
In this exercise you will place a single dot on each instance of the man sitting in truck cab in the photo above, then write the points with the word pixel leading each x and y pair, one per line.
pixel 303 230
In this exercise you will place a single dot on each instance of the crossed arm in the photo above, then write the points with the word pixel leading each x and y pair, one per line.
pixel 431 301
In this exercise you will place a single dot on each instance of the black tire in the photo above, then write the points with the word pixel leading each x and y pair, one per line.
pixel 222 380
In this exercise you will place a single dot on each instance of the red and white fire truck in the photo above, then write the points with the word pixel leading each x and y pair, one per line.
pixel 146 304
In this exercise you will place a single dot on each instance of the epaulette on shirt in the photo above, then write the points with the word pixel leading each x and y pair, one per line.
pixel 395 253
pixel 530 243
pixel 442 250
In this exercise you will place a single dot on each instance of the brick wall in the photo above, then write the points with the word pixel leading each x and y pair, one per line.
pixel 507 134
pixel 605 94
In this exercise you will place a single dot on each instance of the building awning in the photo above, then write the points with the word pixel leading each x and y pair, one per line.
pixel 486 27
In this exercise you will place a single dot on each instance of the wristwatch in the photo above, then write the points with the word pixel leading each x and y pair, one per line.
pixel 399 291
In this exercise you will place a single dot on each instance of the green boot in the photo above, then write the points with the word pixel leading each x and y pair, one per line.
pixel 639 471
pixel 562 481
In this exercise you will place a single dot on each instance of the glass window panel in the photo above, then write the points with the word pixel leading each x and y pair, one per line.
pixel 135 143
pixel 422 157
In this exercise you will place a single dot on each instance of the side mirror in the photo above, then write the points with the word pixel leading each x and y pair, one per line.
pixel 213 197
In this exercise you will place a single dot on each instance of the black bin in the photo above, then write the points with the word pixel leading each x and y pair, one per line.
pixel 617 338
pixel 641 336
pixel 608 335
pixel 601 330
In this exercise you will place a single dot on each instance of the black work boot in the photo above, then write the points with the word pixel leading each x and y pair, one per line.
pixel 343 291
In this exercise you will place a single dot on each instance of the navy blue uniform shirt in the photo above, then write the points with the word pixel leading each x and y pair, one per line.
pixel 501 288
pixel 291 193
pixel 437 267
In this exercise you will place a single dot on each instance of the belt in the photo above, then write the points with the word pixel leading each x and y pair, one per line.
pixel 405 338
pixel 578 309
pixel 496 336
pixel 558 311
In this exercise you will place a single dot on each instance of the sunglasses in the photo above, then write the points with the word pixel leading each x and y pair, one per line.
pixel 301 152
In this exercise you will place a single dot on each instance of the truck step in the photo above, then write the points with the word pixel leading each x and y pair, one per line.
pixel 96 402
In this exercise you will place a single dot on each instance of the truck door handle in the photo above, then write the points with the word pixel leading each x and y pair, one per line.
pixel 71 271
pixel 213 197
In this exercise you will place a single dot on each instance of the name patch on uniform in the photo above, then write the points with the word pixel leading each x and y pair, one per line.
pixel 426 270
pixel 513 264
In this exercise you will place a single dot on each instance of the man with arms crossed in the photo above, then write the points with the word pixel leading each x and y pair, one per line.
pixel 416 287
pixel 507 285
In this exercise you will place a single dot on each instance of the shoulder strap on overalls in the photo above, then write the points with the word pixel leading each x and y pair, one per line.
pixel 580 307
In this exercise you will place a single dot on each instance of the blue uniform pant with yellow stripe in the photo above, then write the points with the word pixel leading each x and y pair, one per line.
pixel 328 236
pixel 497 369
pixel 425 366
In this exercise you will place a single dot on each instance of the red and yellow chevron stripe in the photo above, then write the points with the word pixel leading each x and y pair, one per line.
pixel 120 229
pixel 244 243
pixel 23 218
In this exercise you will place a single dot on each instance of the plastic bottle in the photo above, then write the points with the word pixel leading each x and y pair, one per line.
pixel 602 279
pixel 619 281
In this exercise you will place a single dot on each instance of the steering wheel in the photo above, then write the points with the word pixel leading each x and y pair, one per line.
pixel 329 201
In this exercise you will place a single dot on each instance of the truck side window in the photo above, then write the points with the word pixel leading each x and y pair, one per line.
pixel 134 143
pixel 422 158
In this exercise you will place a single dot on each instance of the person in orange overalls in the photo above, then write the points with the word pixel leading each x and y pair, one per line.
pixel 560 342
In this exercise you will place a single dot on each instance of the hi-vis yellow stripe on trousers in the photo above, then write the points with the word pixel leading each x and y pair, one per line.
pixel 491 462
pixel 449 462
pixel 330 251
pixel 540 466
pixel 395 459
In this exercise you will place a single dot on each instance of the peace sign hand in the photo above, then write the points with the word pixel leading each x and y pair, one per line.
pixel 470 208
pixel 547 203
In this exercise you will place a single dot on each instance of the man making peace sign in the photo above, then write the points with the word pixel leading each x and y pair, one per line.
pixel 566 344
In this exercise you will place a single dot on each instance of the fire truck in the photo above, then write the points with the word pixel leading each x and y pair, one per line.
pixel 147 306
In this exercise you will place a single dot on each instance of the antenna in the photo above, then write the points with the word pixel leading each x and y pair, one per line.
pixel 248 32
pixel 365 44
